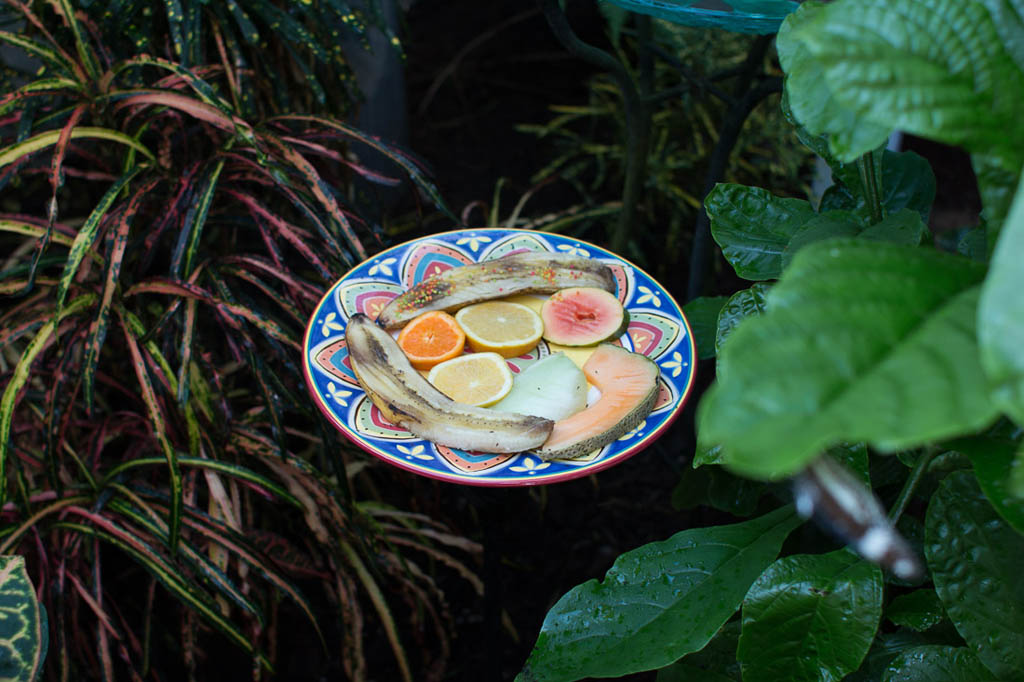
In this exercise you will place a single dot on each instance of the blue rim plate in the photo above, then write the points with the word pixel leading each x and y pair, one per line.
pixel 657 328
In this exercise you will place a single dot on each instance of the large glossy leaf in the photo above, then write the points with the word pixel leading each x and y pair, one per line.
pixel 997 464
pixel 918 610
pixel 702 314
pixel 974 559
pixel 935 68
pixel 656 603
pixel 740 306
pixel 903 226
pixel 23 631
pixel 753 227
pixel 743 16
pixel 1001 316
pixel 906 179
pixel 809 94
pixel 860 342
pixel 934 663
pixel 810 617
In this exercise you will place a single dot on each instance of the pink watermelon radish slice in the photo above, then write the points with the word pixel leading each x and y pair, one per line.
pixel 582 316
pixel 628 383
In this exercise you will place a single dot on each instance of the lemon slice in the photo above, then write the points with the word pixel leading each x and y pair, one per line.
pixel 479 379
pixel 502 327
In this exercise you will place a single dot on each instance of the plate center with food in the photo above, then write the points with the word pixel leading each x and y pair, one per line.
pixel 499 357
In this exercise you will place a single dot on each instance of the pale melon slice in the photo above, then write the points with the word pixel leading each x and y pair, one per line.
pixel 629 388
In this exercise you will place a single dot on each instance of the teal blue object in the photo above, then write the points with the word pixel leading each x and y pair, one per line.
pixel 741 16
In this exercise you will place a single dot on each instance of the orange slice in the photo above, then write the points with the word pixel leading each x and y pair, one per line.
pixel 431 338
pixel 502 327
pixel 479 379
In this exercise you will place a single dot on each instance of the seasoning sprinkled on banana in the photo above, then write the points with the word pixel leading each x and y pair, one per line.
pixel 528 272
pixel 408 400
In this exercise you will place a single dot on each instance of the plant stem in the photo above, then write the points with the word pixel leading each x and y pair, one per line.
pixel 638 117
pixel 910 485
pixel 869 180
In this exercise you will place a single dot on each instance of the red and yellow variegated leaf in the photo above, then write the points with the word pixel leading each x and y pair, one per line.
pixel 38 88
pixel 42 339
pixel 267 485
pixel 405 161
pixel 49 138
pixel 268 291
pixel 319 189
pixel 86 56
pixel 98 330
pixel 299 287
pixel 55 56
pixel 188 105
pixel 185 350
pixel 87 234
pixel 192 227
pixel 283 228
pixel 166 573
pixel 242 547
pixel 381 605
pixel 159 425
pixel 154 525
pixel 30 230
pixel 192 77
pixel 264 324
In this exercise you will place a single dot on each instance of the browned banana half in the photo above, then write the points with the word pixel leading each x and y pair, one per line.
pixel 408 400
pixel 529 272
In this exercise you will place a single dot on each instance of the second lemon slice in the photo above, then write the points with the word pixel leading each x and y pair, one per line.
pixel 502 327
pixel 479 379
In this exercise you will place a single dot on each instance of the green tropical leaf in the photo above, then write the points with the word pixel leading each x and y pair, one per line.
pixel 998 464
pixel 918 610
pixel 935 68
pixel 809 96
pixel 997 186
pixel 1001 316
pixel 24 636
pixel 741 305
pixel 860 342
pixel 702 314
pixel 974 557
pixel 753 227
pixel 901 227
pixel 936 663
pixel 656 603
pixel 810 617
pixel 906 181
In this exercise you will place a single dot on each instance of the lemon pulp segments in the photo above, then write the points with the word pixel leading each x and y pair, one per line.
pixel 479 379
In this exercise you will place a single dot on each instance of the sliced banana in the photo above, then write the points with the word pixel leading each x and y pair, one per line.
pixel 528 272
pixel 408 400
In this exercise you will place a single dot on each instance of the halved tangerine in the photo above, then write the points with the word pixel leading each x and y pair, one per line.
pixel 431 338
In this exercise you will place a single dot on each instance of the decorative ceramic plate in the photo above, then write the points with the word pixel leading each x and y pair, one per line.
pixel 657 328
